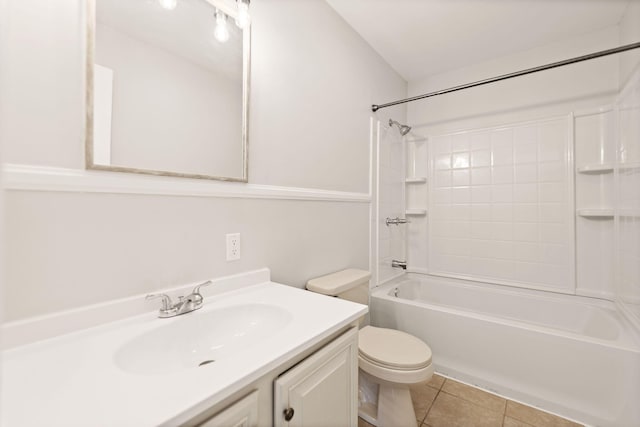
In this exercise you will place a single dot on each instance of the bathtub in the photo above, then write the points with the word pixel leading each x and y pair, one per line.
pixel 573 356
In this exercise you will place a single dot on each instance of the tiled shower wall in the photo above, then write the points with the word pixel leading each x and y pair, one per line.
pixel 500 205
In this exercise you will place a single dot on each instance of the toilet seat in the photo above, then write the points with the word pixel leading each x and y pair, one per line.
pixel 394 356
pixel 393 349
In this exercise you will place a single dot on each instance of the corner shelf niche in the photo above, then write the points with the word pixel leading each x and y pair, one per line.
pixel 604 213
pixel 415 212
pixel 595 168
pixel 594 175
pixel 594 191
pixel 415 180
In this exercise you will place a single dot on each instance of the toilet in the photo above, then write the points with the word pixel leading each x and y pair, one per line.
pixel 388 360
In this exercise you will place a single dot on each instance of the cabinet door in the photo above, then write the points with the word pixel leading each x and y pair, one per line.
pixel 243 413
pixel 322 390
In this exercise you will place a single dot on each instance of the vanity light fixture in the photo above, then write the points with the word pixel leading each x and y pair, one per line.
pixel 243 19
pixel 168 4
pixel 221 33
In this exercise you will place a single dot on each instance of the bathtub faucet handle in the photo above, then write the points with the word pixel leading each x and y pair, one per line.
pixel 395 221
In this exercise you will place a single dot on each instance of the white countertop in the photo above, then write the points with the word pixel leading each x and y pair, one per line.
pixel 73 380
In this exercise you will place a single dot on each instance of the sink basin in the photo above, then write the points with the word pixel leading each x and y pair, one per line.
pixel 201 338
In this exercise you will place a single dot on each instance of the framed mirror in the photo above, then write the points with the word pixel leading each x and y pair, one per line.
pixel 167 88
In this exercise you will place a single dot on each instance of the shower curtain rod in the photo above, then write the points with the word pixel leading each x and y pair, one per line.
pixel 624 48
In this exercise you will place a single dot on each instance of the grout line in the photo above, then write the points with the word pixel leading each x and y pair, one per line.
pixel 476 403
pixel 504 412
pixel 433 402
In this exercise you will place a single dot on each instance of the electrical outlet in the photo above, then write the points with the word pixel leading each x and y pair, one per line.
pixel 233 246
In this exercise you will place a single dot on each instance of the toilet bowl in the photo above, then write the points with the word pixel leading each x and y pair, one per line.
pixel 389 361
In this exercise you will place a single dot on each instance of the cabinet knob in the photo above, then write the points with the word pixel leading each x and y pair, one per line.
pixel 288 414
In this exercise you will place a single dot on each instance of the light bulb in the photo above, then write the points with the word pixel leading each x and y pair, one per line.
pixel 168 4
pixel 243 19
pixel 221 33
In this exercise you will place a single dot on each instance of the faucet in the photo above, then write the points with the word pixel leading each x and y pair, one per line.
pixel 185 304
pixel 401 264
pixel 395 221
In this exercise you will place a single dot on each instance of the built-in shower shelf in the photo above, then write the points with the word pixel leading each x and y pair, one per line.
pixel 595 213
pixel 596 168
pixel 416 180
pixel 415 212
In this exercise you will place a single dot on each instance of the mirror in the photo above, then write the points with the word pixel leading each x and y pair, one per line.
pixel 164 95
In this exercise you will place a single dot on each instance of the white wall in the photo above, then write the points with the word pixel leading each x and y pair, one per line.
pixel 627 195
pixel 313 81
pixel 3 106
pixel 627 229
pixel 538 95
pixel 629 33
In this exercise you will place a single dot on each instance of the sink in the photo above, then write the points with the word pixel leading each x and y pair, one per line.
pixel 201 338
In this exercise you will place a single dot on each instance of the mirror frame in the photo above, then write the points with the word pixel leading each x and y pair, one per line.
pixel 225 6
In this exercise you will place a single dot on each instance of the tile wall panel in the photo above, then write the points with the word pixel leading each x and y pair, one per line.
pixel 501 205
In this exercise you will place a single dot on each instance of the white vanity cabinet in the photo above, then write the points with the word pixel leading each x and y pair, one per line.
pixel 322 389
pixel 318 386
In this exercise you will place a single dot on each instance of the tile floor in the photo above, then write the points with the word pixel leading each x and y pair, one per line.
pixel 443 402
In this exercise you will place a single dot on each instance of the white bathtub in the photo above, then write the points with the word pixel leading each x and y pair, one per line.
pixel 573 356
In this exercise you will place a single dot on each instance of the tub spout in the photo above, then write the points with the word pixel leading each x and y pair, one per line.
pixel 401 264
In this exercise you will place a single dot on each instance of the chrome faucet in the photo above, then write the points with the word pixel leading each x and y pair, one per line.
pixel 399 264
pixel 395 221
pixel 185 304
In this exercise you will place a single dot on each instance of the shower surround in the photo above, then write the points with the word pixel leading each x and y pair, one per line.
pixel 531 237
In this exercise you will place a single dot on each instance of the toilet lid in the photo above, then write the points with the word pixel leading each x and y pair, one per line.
pixel 395 349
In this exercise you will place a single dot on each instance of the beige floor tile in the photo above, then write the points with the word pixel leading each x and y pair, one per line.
pixel 452 411
pixel 422 396
pixel 535 417
pixel 475 395
pixel 512 422
pixel 363 423
pixel 436 381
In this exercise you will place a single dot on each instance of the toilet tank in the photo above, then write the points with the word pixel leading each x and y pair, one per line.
pixel 351 284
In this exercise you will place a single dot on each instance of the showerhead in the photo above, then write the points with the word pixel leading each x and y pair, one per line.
pixel 404 129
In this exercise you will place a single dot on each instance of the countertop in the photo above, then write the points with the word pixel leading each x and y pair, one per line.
pixel 73 380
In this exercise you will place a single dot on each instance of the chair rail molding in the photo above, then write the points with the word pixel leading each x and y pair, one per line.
pixel 19 177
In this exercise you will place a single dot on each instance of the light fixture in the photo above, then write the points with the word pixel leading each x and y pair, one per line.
pixel 243 19
pixel 221 33
pixel 168 4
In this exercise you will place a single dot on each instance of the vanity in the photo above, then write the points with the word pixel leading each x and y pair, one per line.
pixel 257 353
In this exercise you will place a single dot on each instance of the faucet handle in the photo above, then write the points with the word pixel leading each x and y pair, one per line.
pixel 196 290
pixel 166 300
